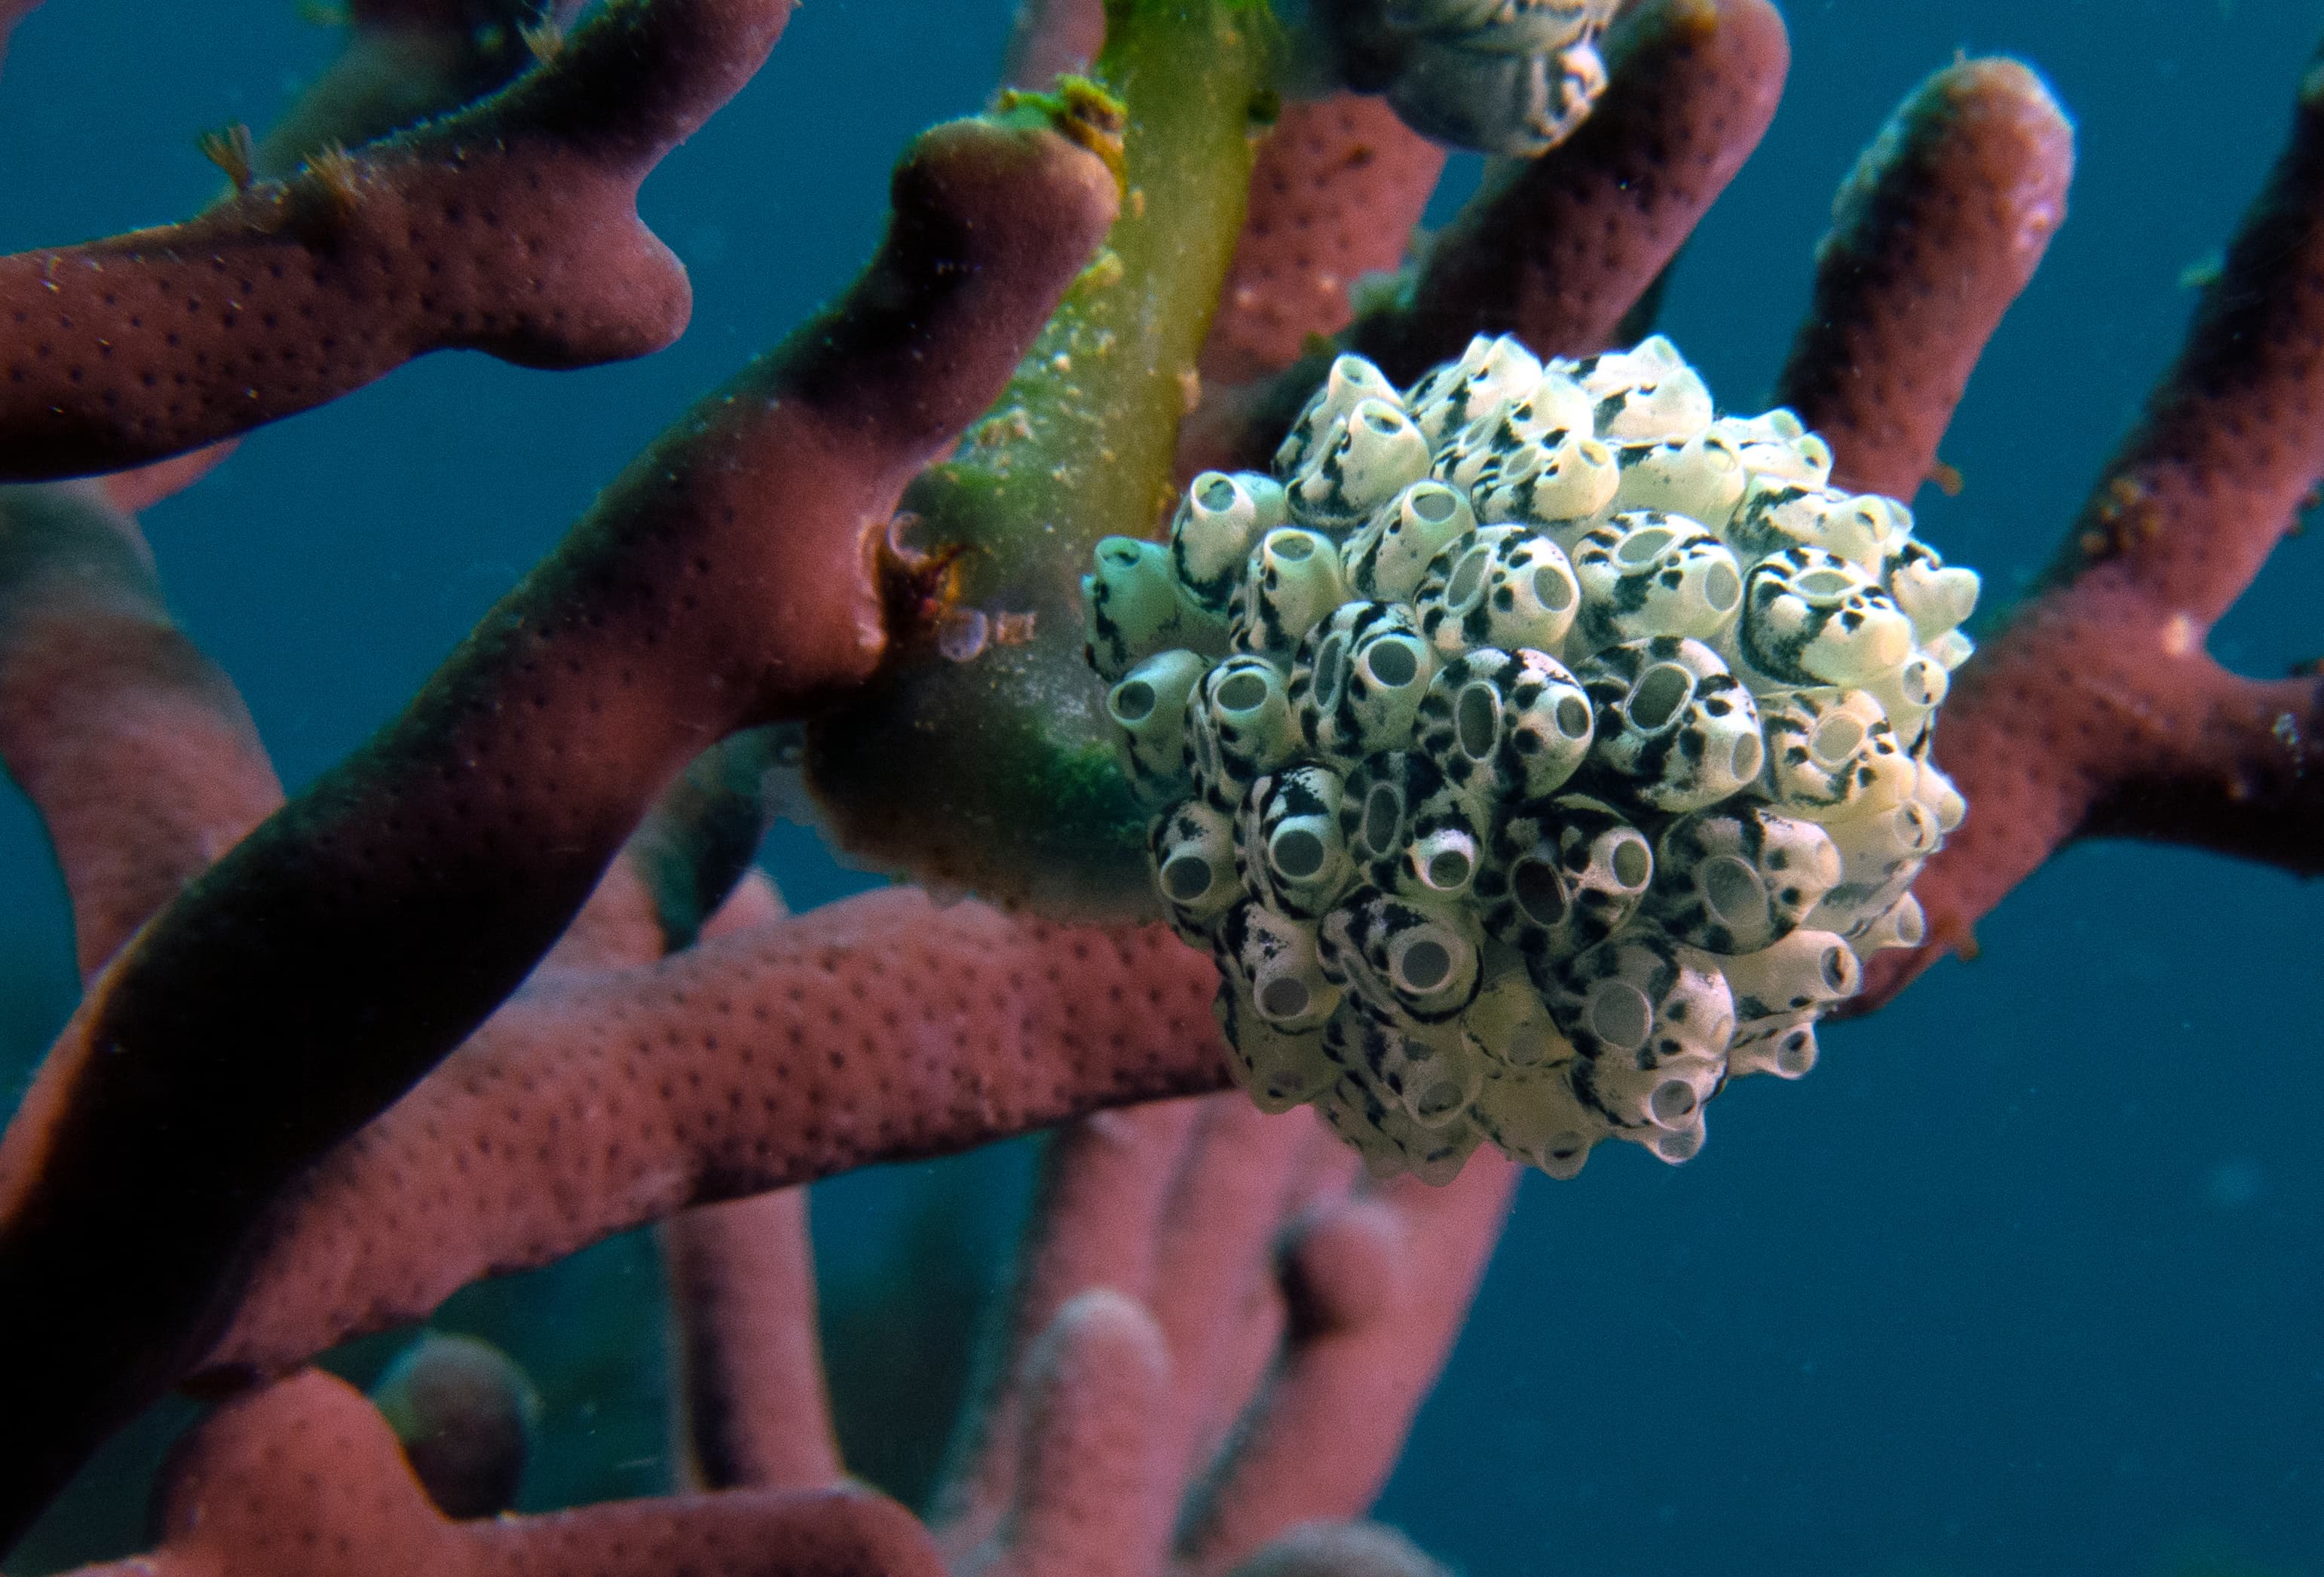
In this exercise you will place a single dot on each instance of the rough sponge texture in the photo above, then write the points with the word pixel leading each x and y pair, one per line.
pixel 1936 231
pixel 1339 185
pixel 873 1030
pixel 305 1476
pixel 1536 750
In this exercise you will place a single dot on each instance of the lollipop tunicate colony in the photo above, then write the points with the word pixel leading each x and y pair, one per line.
pixel 1535 750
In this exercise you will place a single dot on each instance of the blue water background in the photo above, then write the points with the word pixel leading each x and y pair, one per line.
pixel 2024 1279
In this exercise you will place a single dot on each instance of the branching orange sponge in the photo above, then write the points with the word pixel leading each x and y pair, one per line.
pixel 1536 748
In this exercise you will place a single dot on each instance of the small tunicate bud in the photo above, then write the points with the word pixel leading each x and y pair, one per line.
pixel 1429 1073
pixel 1777 445
pixel 1636 1002
pixel 1562 878
pixel 1910 693
pixel 1738 878
pixel 1350 381
pixel 1277 1069
pixel 1700 478
pixel 1358 680
pixel 1937 599
pixel 1272 959
pixel 1505 726
pixel 1511 1027
pixel 1368 458
pixel 1879 856
pixel 1553 406
pixel 1533 1115
pixel 1901 925
pixel 1193 849
pixel 1935 791
pixel 1490 374
pixel 1220 520
pixel 1790 982
pixel 1556 480
pixel 1647 394
pixel 1813 618
pixel 1405 960
pixel 1133 608
pixel 1288 848
pixel 1389 1139
pixel 1833 754
pixel 1676 732
pixel 1148 708
pixel 1238 726
pixel 1644 574
pixel 1291 580
pixel 1503 586
pixel 1783 1046
pixel 1387 557
pixel 1951 649
pixel 1863 528
pixel 1407 830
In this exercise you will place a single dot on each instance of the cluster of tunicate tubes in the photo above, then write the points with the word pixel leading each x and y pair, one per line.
pixel 1536 750
pixel 1511 77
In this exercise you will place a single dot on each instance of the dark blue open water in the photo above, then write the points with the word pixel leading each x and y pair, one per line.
pixel 2023 1280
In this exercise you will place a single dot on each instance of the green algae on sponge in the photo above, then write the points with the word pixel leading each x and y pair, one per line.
pixel 1508 77
pixel 1535 750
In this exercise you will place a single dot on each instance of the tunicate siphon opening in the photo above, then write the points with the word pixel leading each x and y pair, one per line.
pixel 1681 1145
pixel 1552 588
pixel 1186 878
pixel 1393 661
pixel 1641 548
pixel 1448 871
pixel 1383 818
pixel 1438 1099
pixel 1563 1153
pixel 1216 492
pixel 1916 828
pixel 1722 588
pixel 1797 1053
pixel 1734 893
pixel 1297 854
pixel 1421 965
pixel 1660 695
pixel 1242 692
pixel 1824 586
pixel 1524 1046
pixel 1573 717
pixel 1633 863
pixel 1476 720
pixel 1521 465
pixel 1292 546
pixel 1619 1014
pixel 1468 581
pixel 1672 1104
pixel 1747 758
pixel 1381 418
pixel 1839 970
pixel 1835 740
pixel 1434 502
pixel 1540 891
pixel 1118 554
pixel 1908 923
pixel 1284 997
pixel 1133 702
